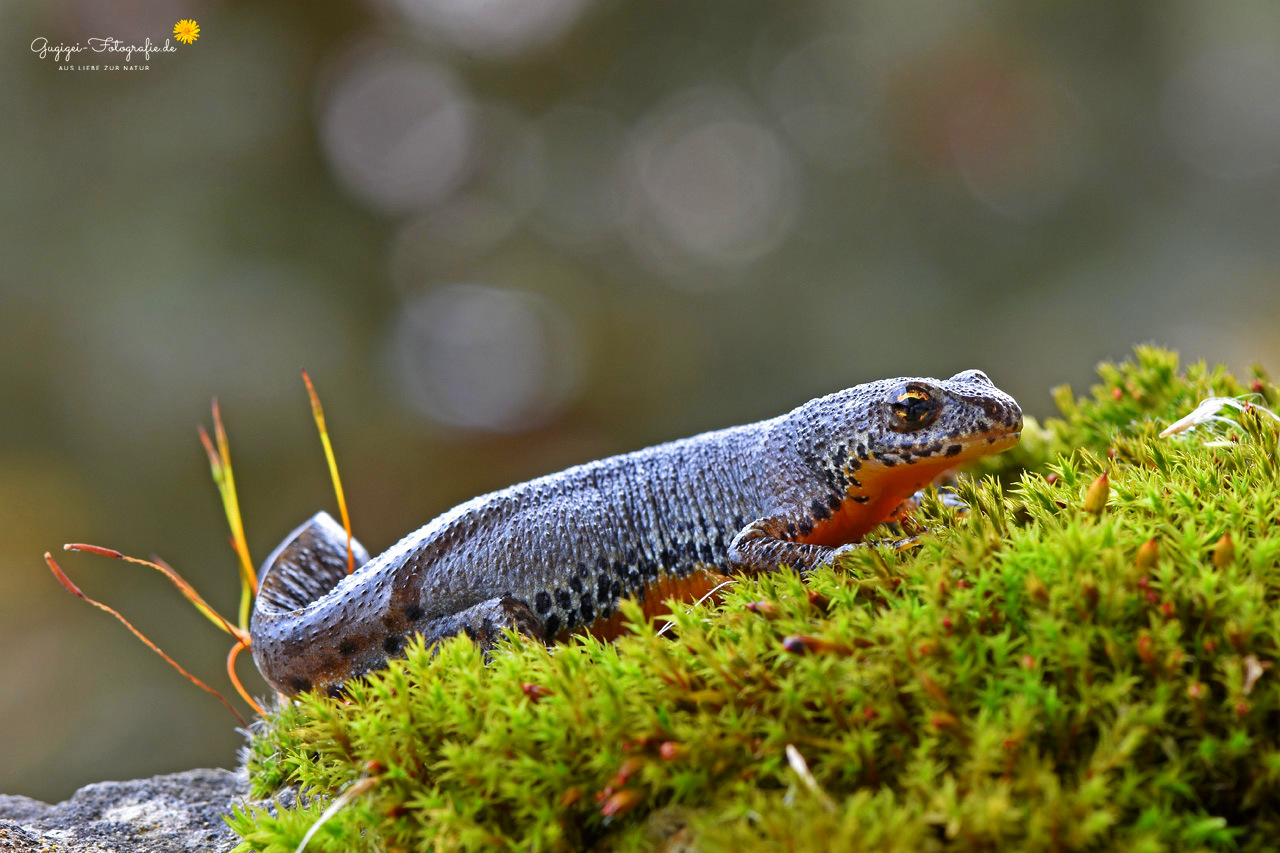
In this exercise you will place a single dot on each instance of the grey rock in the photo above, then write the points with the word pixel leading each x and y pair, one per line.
pixel 178 812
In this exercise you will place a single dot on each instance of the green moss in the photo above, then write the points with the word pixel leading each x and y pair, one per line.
pixel 1019 681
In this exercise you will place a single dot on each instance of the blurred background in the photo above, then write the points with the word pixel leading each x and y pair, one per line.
pixel 507 236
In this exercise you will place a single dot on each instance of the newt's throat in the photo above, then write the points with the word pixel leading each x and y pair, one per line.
pixel 884 488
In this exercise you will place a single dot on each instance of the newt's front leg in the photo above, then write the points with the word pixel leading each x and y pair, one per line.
pixel 767 543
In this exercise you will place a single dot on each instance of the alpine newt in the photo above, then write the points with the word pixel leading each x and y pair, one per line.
pixel 557 553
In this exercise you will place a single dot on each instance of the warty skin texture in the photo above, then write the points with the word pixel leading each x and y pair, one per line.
pixel 557 553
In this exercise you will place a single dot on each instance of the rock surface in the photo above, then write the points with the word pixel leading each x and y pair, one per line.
pixel 178 812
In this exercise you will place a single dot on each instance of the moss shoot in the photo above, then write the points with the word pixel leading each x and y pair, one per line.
pixel 1077 662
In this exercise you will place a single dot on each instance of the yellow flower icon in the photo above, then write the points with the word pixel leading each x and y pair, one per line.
pixel 186 31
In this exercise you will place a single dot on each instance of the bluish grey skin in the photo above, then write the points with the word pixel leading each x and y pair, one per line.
pixel 557 553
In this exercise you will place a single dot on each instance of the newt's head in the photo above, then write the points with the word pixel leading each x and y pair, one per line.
pixel 957 418
pixel 876 444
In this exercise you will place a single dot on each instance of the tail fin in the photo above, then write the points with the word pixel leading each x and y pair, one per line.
pixel 306 565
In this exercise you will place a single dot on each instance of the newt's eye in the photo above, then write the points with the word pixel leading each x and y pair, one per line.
pixel 913 408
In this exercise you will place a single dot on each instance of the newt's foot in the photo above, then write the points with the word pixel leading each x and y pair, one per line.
pixel 906 543
pixel 901 522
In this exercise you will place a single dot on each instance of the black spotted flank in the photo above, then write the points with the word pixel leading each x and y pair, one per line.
pixel 564 599
pixel 819 510
pixel 347 648
pixel 393 644
pixel 333 691
pixel 542 601
pixel 954 449
pixel 551 627
pixel 299 683
pixel 413 613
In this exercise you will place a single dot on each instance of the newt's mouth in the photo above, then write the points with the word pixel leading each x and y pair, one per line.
pixel 966 450
pixel 988 445
pixel 999 443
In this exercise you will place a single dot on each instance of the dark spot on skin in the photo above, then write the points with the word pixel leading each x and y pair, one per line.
pixel 299 684
pixel 834 501
pixel 564 599
pixel 806 527
pixel 819 510
pixel 1008 420
pixel 954 449
pixel 393 644
pixel 347 648
pixel 575 584
pixel 551 626
pixel 991 440
pixel 854 464
pixel 333 691
pixel 603 588
pixel 620 569
pixel 588 614
pixel 791 529
pixel 860 499
pixel 542 601
pixel 413 613
pixel 853 481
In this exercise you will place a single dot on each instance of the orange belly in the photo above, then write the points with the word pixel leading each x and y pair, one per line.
pixel 691 587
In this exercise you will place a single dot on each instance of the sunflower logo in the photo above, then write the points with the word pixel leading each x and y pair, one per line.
pixel 186 31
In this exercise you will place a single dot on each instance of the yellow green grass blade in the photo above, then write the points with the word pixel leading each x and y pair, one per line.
pixel 220 465
pixel 318 413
